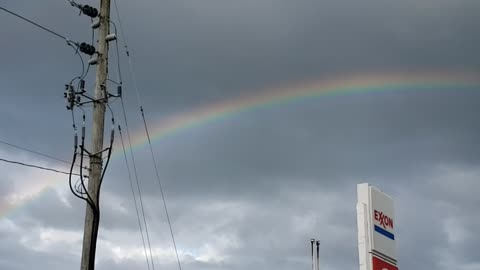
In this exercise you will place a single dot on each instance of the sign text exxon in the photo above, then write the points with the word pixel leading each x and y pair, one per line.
pixel 385 221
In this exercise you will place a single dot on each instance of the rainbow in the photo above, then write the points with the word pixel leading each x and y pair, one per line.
pixel 304 91
pixel 276 97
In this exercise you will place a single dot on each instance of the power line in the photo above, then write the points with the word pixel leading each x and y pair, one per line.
pixel 137 182
pixel 37 153
pixel 75 45
pixel 132 75
pixel 36 166
pixel 134 197
pixel 34 23
pixel 161 189
pixel 119 72
pixel 127 52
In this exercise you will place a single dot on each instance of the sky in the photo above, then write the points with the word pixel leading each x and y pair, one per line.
pixel 248 190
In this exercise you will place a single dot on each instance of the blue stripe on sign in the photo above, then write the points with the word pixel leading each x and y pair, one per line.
pixel 384 232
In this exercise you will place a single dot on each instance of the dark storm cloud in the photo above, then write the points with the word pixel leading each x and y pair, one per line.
pixel 192 53
pixel 249 44
pixel 395 140
pixel 335 139
pixel 251 190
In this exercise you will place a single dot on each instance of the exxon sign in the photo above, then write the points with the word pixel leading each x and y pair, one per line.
pixel 379 264
pixel 383 223
pixel 376 225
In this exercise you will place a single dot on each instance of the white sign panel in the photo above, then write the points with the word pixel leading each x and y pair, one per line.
pixel 376 226
pixel 383 225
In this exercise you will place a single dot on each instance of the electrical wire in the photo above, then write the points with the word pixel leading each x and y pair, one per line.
pixel 73 122
pixel 88 199
pixel 120 82
pixel 134 197
pixel 74 4
pixel 79 193
pixel 121 26
pixel 75 48
pixel 111 113
pixel 161 188
pixel 84 75
pixel 88 65
pixel 71 43
pixel 36 166
pixel 93 31
pixel 35 152
pixel 78 187
pixel 117 83
pixel 119 72
pixel 34 23
pixel 71 173
pixel 75 189
pixel 137 182
pixel 91 204
pixel 132 74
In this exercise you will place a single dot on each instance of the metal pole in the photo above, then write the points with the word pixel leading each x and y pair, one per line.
pixel 313 260
pixel 92 218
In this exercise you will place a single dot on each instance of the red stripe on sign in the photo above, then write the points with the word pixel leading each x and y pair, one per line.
pixel 379 264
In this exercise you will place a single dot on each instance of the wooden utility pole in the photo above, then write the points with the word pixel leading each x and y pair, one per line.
pixel 92 217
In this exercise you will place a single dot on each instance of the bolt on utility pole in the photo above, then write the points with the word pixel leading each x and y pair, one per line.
pixel 91 218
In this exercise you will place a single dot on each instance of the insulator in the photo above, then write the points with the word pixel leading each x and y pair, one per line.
pixel 83 132
pixel 112 135
pixel 111 37
pixel 75 140
pixel 119 91
pixel 78 99
pixel 69 95
pixel 96 24
pixel 89 11
pixel 82 85
pixel 93 61
pixel 87 48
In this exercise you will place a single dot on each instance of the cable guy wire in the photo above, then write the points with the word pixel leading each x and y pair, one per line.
pixel 133 77
pixel 36 166
pixel 134 197
pixel 137 182
pixel 34 23
pixel 35 152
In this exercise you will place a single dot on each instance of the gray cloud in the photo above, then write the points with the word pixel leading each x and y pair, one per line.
pixel 250 191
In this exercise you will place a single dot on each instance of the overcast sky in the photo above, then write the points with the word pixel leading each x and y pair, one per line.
pixel 249 191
